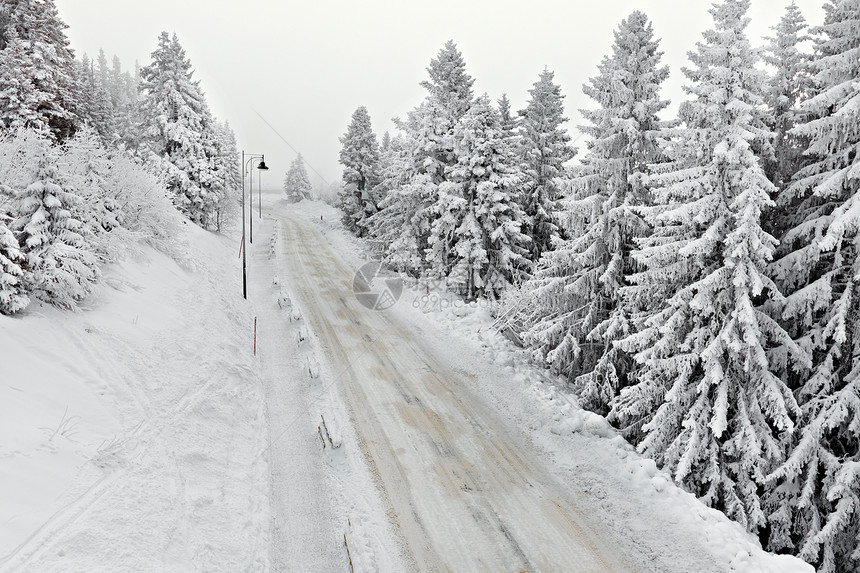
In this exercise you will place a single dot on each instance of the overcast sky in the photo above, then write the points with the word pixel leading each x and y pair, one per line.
pixel 306 66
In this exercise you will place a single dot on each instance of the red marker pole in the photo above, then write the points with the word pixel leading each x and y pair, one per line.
pixel 255 336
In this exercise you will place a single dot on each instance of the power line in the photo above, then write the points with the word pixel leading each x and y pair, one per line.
pixel 288 145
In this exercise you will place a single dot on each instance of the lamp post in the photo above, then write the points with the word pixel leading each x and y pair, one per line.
pixel 262 167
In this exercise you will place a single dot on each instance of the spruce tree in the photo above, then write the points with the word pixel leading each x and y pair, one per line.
pixel 545 147
pixel 575 312
pixel 429 138
pixel 13 277
pixel 506 119
pixel 51 61
pixel 710 409
pixel 89 174
pixel 786 88
pixel 475 241
pixel 398 206
pixel 179 135
pixel 816 492
pixel 51 240
pixel 360 159
pixel 94 106
pixel 231 175
pixel 19 98
pixel 297 184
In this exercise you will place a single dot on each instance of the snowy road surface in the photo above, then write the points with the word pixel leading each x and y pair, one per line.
pixel 463 492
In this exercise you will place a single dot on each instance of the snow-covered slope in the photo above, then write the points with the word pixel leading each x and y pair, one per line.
pixel 131 433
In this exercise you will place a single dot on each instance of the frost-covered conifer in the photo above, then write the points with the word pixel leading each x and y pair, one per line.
pixel 507 121
pixel 429 138
pixel 13 277
pixel 816 492
pixel 297 184
pixel 395 223
pixel 51 61
pixel 19 98
pixel 476 242
pixel 710 409
pixel 786 88
pixel 93 100
pixel 179 133
pixel 50 238
pixel 88 171
pixel 575 312
pixel 129 118
pixel 360 159
pixel 545 147
pixel 230 172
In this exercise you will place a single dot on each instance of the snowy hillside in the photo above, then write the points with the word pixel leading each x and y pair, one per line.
pixel 132 431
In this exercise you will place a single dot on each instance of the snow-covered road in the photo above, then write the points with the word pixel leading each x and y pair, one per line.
pixel 464 493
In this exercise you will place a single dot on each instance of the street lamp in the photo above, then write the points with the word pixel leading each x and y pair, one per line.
pixel 261 166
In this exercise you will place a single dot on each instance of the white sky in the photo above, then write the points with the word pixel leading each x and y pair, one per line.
pixel 306 66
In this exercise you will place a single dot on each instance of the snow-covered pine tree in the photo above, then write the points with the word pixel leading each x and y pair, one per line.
pixel 107 126
pixel 50 239
pixel 545 147
pixel 13 278
pixel 178 132
pixel 297 184
pixel 429 133
pixel 88 171
pixel 507 121
pixel 51 70
pixel 574 311
pixel 394 225
pixel 710 409
pixel 475 242
pixel 231 173
pixel 360 159
pixel 786 88
pixel 19 98
pixel 116 85
pixel 94 107
pixel 130 119
pixel 816 492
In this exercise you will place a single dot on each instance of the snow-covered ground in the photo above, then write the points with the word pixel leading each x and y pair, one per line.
pixel 144 434
pixel 131 433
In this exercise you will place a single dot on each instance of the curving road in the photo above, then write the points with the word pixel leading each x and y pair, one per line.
pixel 463 493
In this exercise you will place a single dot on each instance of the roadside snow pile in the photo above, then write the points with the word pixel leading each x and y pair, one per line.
pixel 130 431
